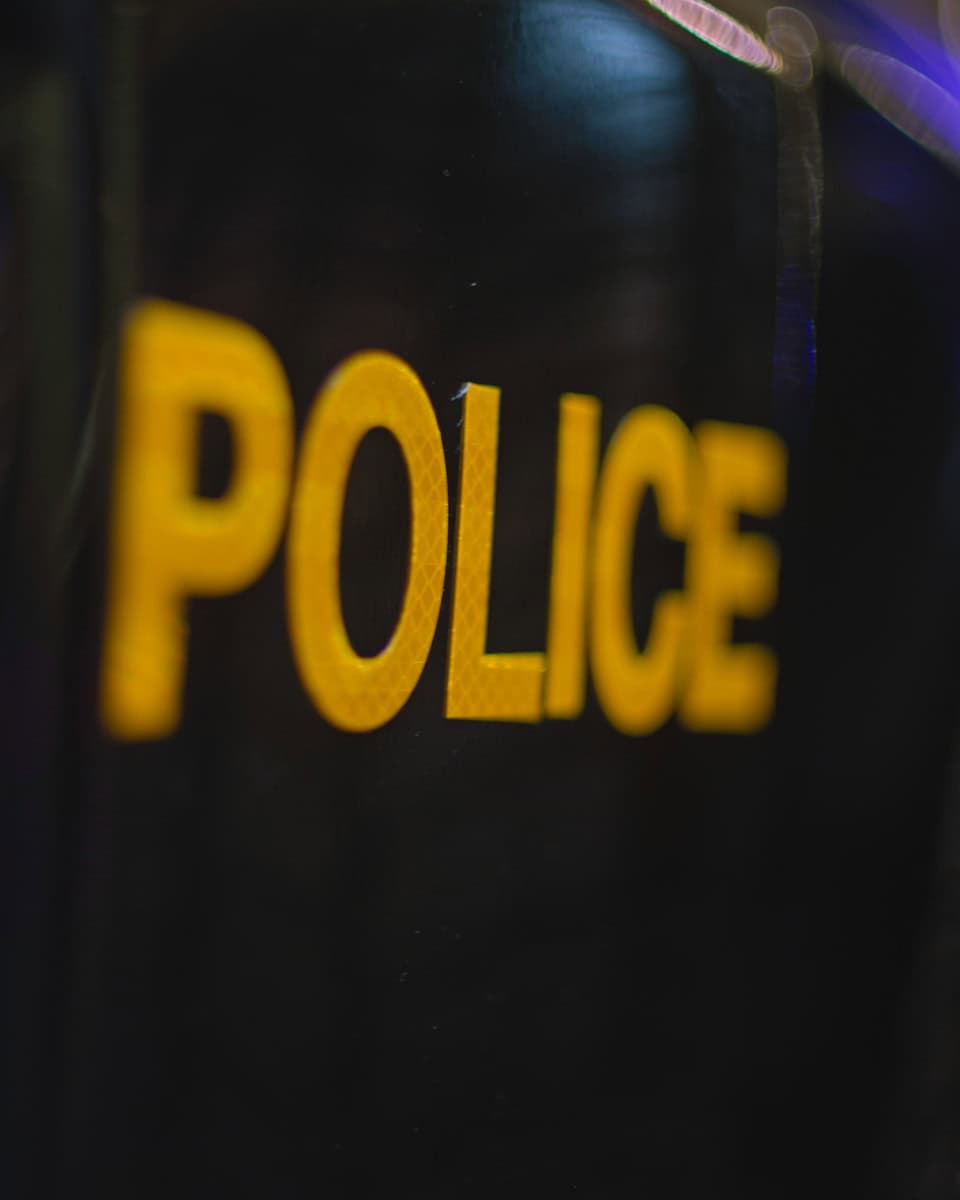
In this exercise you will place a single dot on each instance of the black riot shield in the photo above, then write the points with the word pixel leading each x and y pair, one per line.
pixel 489 619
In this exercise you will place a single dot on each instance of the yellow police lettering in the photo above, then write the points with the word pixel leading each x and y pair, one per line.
pixel 577 453
pixel 169 543
pixel 732 688
pixel 369 391
pixel 482 686
pixel 651 448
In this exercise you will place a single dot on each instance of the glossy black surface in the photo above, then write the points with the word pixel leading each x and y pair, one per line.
pixel 447 958
pixel 453 959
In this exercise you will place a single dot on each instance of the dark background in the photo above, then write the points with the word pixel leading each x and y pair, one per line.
pixel 447 959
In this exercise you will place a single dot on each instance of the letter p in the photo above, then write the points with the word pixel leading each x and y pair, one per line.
pixel 168 542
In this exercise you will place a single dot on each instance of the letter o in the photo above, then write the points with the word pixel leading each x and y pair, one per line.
pixel 369 391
